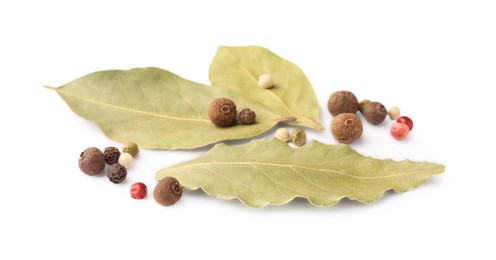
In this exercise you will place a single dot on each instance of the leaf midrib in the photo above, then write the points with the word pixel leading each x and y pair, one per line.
pixel 130 109
pixel 291 166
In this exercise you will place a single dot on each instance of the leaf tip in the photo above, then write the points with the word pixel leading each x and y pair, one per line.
pixel 442 168
pixel 319 127
pixel 50 87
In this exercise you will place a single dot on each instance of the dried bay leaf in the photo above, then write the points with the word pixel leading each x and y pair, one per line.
pixel 238 69
pixel 158 109
pixel 265 172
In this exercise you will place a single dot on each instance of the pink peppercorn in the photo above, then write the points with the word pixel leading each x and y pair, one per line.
pixel 405 120
pixel 138 190
pixel 399 131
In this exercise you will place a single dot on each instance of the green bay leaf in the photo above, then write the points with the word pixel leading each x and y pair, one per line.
pixel 269 172
pixel 238 69
pixel 158 109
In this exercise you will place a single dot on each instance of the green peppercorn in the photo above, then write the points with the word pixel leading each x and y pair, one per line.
pixel 362 104
pixel 298 137
pixel 130 148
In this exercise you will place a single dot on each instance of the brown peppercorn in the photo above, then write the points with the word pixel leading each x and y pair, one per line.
pixel 222 112
pixel 374 112
pixel 168 191
pixel 346 128
pixel 130 148
pixel 111 155
pixel 342 102
pixel 247 116
pixel 116 173
pixel 92 161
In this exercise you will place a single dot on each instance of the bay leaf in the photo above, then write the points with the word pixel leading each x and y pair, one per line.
pixel 265 172
pixel 158 109
pixel 238 69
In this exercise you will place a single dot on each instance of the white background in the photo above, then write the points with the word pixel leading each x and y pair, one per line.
pixel 436 60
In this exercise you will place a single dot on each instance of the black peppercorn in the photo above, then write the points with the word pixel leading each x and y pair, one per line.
pixel 116 173
pixel 168 191
pixel 247 116
pixel 222 112
pixel 111 155
pixel 92 161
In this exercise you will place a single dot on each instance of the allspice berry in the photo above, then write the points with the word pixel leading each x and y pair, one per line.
pixel 168 191
pixel 222 112
pixel 116 173
pixel 247 116
pixel 92 161
pixel 130 148
pixel 346 128
pixel 111 155
pixel 374 113
pixel 342 102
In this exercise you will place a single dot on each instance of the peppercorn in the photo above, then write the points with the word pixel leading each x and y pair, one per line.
pixel 346 128
pixel 394 113
pixel 399 130
pixel 126 160
pixel 222 112
pixel 283 134
pixel 111 155
pixel 362 104
pixel 298 137
pixel 92 161
pixel 266 81
pixel 374 113
pixel 406 120
pixel 168 191
pixel 116 173
pixel 138 190
pixel 247 116
pixel 342 102
pixel 130 148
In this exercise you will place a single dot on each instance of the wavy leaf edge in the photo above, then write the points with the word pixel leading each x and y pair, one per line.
pixel 332 203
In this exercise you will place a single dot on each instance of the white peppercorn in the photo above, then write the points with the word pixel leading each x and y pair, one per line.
pixel 282 134
pixel 266 81
pixel 394 113
pixel 126 160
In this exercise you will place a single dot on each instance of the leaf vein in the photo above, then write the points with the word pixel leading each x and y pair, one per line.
pixel 296 166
